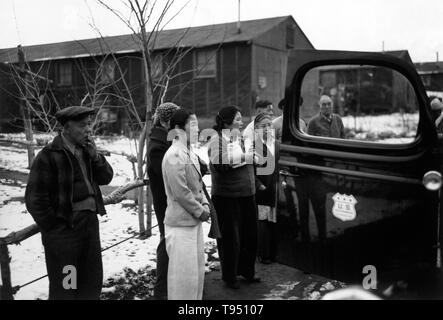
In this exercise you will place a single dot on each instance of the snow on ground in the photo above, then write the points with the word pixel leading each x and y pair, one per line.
pixel 13 158
pixel 395 122
pixel 394 128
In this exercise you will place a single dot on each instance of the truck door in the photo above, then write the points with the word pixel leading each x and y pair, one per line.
pixel 358 189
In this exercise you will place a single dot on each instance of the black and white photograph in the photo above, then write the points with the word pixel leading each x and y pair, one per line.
pixel 236 151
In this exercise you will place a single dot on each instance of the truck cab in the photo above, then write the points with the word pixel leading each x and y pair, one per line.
pixel 361 195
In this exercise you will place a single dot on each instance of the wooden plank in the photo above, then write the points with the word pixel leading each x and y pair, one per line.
pixel 25 143
pixel 18 236
pixel 114 197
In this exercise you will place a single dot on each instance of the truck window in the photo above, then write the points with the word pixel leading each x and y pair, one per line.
pixel 372 104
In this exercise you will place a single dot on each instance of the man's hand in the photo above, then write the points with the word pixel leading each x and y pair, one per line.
pixel 262 187
pixel 206 214
pixel 91 148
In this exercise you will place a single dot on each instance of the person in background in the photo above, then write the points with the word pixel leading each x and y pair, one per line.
pixel 261 106
pixel 277 123
pixel 326 123
pixel 266 182
pixel 437 112
pixel 233 195
pixel 186 210
pixel 64 198
pixel 157 147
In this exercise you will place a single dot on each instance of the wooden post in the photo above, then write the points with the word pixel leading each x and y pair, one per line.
pixel 6 288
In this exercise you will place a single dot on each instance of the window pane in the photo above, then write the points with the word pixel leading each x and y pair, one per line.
pixel 206 63
pixel 65 74
pixel 107 71
pixel 359 102
pixel 157 67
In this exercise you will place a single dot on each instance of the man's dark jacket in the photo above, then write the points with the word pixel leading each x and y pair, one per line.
pixel 319 125
pixel 49 191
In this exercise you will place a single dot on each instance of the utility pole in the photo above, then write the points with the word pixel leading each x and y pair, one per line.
pixel 238 20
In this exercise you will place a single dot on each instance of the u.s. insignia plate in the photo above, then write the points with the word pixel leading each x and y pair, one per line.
pixel 344 207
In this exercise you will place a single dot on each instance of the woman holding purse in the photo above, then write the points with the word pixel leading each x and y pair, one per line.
pixel 233 195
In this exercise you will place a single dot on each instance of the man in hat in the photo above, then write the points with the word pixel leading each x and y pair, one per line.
pixel 261 106
pixel 63 197
pixel 277 123
pixel 157 147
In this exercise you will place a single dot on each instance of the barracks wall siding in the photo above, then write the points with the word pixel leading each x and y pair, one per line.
pixel 229 85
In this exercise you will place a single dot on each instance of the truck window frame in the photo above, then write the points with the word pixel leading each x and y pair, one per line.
pixel 344 143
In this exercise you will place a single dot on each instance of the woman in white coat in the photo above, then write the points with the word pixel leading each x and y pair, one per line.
pixel 186 209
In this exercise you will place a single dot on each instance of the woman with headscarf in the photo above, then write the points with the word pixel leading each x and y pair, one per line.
pixel 233 195
pixel 186 210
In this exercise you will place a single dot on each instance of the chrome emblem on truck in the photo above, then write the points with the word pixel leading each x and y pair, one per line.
pixel 344 207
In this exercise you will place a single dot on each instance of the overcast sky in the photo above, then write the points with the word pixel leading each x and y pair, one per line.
pixel 360 25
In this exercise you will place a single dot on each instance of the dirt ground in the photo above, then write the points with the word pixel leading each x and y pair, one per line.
pixel 278 282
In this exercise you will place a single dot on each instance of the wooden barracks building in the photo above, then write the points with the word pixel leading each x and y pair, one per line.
pixel 224 64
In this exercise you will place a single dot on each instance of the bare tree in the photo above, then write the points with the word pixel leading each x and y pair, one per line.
pixel 142 13
pixel 100 90
pixel 35 96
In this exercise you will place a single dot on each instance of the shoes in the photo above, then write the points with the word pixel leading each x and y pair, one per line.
pixel 253 280
pixel 233 285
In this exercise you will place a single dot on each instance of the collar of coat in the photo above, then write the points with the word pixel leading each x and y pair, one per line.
pixel 192 157
pixel 68 144
pixel 56 144
pixel 159 134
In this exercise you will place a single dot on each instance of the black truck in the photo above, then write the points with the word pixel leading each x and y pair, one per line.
pixel 363 208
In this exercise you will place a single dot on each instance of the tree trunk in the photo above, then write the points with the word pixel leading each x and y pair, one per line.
pixel 148 120
pixel 141 204
pixel 26 116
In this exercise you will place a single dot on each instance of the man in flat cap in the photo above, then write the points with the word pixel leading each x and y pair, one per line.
pixel 63 197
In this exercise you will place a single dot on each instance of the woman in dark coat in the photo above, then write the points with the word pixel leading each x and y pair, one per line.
pixel 157 147
pixel 233 194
